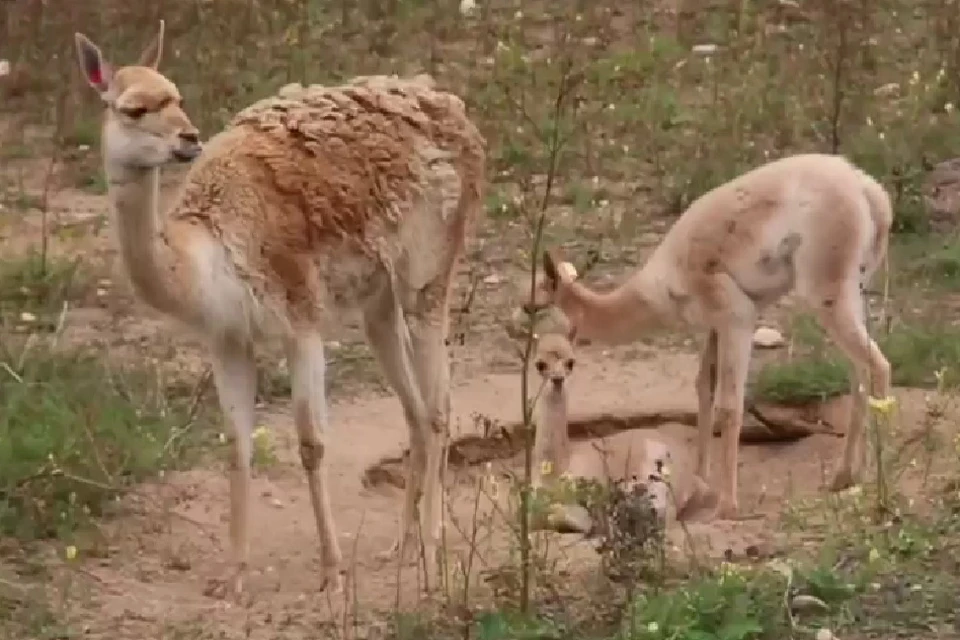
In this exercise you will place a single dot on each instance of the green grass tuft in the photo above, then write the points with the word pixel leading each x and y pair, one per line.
pixel 806 379
pixel 38 287
pixel 917 355
pixel 75 433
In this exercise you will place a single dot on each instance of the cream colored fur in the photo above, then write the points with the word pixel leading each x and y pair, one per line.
pixel 629 458
pixel 311 203
pixel 814 224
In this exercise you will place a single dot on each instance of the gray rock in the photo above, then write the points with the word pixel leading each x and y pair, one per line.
pixel 942 196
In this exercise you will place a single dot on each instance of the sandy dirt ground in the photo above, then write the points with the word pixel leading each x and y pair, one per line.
pixel 153 578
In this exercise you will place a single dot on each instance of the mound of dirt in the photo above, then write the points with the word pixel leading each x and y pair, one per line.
pixel 763 423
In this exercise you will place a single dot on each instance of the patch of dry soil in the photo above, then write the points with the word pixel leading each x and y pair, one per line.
pixel 151 581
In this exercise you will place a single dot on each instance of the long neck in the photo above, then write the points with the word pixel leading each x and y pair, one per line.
pixel 134 193
pixel 551 443
pixel 614 317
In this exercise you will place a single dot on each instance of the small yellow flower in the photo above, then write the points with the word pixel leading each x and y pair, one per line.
pixel 874 555
pixel 261 433
pixel 70 552
pixel 883 406
pixel 546 468
pixel 653 627
pixel 942 371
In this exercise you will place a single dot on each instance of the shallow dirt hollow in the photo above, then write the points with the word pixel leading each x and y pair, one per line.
pixel 151 584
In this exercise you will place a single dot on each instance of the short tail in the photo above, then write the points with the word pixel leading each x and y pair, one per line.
pixel 881 212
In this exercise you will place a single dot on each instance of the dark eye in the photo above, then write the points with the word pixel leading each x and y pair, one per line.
pixel 570 364
pixel 134 112
pixel 541 366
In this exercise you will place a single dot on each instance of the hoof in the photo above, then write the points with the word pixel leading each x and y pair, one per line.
pixel 726 510
pixel 224 588
pixel 702 506
pixel 331 580
pixel 843 479
pixel 392 554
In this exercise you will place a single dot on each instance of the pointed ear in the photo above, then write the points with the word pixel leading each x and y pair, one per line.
pixel 154 51
pixel 95 70
pixel 550 267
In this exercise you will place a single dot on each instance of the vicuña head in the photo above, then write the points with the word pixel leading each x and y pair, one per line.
pixel 555 359
pixel 145 124
pixel 556 280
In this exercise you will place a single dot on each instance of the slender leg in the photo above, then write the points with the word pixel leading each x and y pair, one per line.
pixel 235 377
pixel 844 323
pixel 701 499
pixel 733 356
pixel 706 386
pixel 307 376
pixel 390 340
pixel 432 365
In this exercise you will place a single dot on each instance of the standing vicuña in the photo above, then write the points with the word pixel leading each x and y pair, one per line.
pixel 810 223
pixel 310 203
pixel 629 457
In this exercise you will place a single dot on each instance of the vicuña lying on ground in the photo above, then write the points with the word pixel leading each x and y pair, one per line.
pixel 814 224
pixel 629 457
pixel 313 202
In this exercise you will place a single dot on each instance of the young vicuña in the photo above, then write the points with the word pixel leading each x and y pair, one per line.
pixel 814 224
pixel 629 457
pixel 312 202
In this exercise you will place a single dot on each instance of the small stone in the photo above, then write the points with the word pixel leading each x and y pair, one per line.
pixel 649 239
pixel 705 49
pixel 767 338
pixel 493 278
pixel 276 503
pixel 808 604
pixel 887 90
pixel 825 634
pixel 26 316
